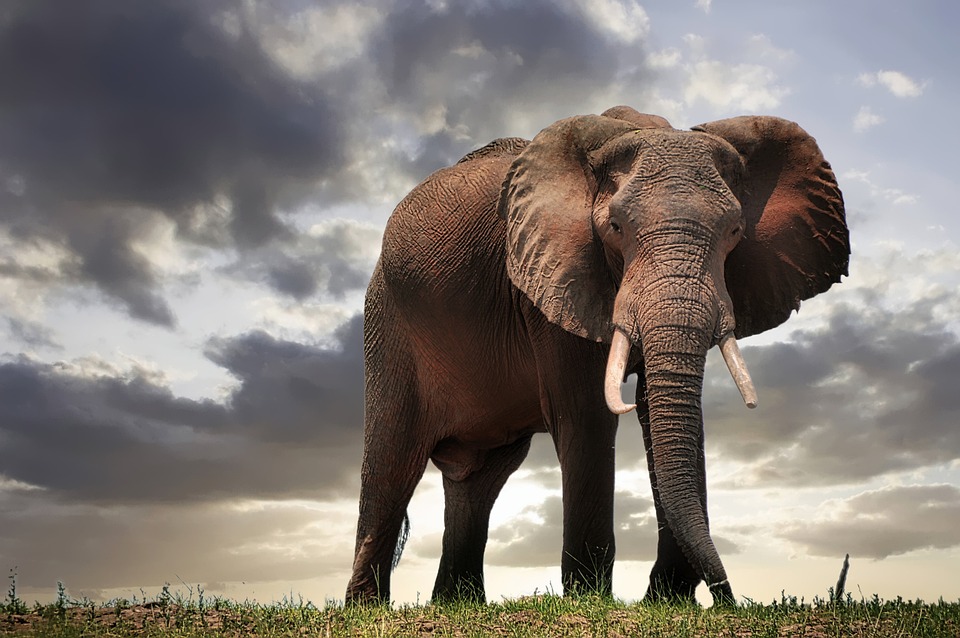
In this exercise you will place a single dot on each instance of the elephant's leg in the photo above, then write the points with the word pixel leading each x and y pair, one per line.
pixel 587 467
pixel 672 576
pixel 389 476
pixel 584 433
pixel 395 453
pixel 395 456
pixel 466 520
pixel 387 484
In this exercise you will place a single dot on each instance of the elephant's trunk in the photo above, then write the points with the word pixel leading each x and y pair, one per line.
pixel 674 362
pixel 673 321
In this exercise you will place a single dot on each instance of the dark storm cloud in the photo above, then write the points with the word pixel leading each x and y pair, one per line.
pixel 295 394
pixel 883 523
pixel 107 258
pixel 335 258
pixel 98 438
pixel 32 334
pixel 118 117
pixel 466 73
pixel 871 392
pixel 111 110
pixel 293 427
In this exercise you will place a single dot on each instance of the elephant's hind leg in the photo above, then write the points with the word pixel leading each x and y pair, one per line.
pixel 388 480
pixel 389 477
pixel 395 454
pixel 466 520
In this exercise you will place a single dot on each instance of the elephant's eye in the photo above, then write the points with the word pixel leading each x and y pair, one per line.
pixel 736 230
pixel 615 226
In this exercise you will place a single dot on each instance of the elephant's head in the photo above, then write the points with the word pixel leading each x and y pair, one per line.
pixel 624 230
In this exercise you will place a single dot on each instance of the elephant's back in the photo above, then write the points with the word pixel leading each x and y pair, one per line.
pixel 445 236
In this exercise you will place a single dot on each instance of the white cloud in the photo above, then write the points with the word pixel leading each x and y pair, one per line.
pixel 900 84
pixel 703 5
pixel 11 485
pixel 729 87
pixel 866 119
pixel 762 47
pixel 892 195
pixel 298 320
pixel 665 59
pixel 696 43
pixel 626 20
pixel 317 39
pixel 745 87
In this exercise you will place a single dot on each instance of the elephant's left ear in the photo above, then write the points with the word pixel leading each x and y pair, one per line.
pixel 547 199
pixel 796 243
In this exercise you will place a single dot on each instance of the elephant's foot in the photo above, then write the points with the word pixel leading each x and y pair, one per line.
pixel 672 585
pixel 370 581
pixel 577 588
pixel 359 595
pixel 468 590
pixel 591 575
pixel 722 594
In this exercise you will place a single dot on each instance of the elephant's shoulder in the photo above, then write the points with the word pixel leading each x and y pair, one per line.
pixel 501 146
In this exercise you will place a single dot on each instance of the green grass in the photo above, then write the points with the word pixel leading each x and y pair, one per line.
pixel 541 615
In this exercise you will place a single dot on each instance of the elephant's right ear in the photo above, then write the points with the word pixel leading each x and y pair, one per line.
pixel 795 243
pixel 553 254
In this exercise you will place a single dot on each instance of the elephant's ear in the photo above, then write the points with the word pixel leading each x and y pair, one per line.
pixel 553 254
pixel 795 244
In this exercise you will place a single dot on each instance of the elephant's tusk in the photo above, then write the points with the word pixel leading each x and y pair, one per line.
pixel 616 365
pixel 738 369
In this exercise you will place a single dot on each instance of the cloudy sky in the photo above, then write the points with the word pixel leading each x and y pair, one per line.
pixel 192 196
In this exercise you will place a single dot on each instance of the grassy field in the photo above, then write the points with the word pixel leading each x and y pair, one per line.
pixel 544 615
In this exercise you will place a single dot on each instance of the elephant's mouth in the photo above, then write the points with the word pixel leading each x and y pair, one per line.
pixel 617 365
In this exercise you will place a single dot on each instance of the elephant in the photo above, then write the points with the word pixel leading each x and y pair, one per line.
pixel 517 288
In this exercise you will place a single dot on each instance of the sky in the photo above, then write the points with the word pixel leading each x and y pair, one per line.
pixel 192 196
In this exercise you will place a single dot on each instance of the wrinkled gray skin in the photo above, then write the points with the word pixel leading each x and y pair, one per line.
pixel 501 282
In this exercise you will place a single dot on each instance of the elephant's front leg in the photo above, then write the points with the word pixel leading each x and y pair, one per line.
pixel 587 465
pixel 672 576
pixel 584 433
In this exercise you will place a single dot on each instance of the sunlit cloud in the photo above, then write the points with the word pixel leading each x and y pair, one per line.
pixel 899 84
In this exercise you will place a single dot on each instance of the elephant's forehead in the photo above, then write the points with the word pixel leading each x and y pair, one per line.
pixel 671 171
pixel 676 150
pixel 674 162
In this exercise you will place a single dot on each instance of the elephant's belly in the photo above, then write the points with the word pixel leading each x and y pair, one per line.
pixel 481 408
pixel 457 459
pixel 477 399
pixel 475 423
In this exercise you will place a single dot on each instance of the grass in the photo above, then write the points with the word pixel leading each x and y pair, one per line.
pixel 539 615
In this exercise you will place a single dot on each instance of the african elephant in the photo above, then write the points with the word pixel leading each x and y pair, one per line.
pixel 517 288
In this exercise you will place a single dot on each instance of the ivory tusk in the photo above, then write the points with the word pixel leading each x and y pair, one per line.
pixel 616 365
pixel 738 369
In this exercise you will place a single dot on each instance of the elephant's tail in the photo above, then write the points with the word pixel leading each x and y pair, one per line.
pixel 401 540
